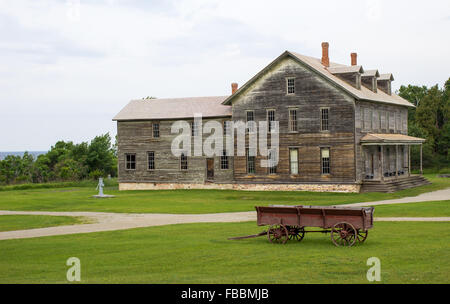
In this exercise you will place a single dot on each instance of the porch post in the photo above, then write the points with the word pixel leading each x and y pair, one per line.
pixel 409 160
pixel 421 171
pixel 382 162
pixel 396 161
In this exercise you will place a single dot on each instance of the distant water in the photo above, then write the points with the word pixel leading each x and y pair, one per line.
pixel 20 153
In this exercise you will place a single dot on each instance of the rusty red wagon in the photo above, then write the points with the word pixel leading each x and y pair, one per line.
pixel 347 225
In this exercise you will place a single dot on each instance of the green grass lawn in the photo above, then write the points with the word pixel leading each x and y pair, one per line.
pixel 423 209
pixel 186 201
pixel 200 253
pixel 19 222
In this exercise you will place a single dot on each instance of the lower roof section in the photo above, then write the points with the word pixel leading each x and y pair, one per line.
pixel 174 108
pixel 390 139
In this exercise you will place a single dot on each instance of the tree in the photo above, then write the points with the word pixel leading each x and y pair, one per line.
pixel 414 94
pixel 101 155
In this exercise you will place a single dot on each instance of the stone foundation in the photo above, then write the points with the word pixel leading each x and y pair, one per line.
pixel 249 187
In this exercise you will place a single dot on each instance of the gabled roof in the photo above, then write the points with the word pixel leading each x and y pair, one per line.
pixel 379 138
pixel 174 108
pixel 388 76
pixel 315 65
pixel 346 69
pixel 370 73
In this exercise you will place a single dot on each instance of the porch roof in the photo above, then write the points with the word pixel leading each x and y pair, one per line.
pixel 390 139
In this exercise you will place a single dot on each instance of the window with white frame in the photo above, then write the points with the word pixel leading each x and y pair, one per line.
pixel 270 119
pixel 324 119
pixel 290 85
pixel 325 163
pixel 292 120
pixel 293 160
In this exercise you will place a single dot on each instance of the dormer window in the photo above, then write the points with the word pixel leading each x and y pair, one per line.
pixel 290 85
pixel 369 79
pixel 384 83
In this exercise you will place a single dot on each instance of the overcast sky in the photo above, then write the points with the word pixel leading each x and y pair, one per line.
pixel 67 67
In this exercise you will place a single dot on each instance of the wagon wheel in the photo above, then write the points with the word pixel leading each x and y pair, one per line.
pixel 296 233
pixel 361 235
pixel 343 234
pixel 278 234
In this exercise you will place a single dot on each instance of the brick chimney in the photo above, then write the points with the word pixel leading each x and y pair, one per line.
pixel 354 60
pixel 234 87
pixel 325 58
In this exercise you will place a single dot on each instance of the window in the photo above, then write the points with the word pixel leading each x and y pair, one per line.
pixel 379 116
pixel 388 119
pixel 398 122
pixel 325 155
pixel 270 118
pixel 375 120
pixel 290 84
pixel 324 119
pixel 293 159
pixel 226 128
pixel 194 128
pixel 293 120
pixel 250 117
pixel 224 164
pixel 250 162
pixel 183 162
pixel 361 116
pixel 151 160
pixel 156 130
pixel 130 161
pixel 272 158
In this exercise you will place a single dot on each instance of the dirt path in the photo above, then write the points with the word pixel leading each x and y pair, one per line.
pixel 439 195
pixel 120 221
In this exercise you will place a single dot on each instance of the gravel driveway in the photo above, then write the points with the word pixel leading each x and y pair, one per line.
pixel 103 221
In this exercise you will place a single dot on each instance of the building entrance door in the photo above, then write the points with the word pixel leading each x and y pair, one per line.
pixel 210 168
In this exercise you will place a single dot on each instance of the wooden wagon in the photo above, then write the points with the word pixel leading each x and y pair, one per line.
pixel 347 225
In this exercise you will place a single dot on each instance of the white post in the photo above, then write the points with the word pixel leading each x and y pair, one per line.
pixel 421 169
pixel 396 161
pixel 382 162
pixel 409 160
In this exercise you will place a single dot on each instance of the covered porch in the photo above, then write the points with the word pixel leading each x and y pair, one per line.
pixel 386 161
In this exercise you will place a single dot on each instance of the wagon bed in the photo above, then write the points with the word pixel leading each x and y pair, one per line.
pixel 347 225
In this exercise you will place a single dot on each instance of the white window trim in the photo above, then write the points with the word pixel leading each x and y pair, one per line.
pixel 287 85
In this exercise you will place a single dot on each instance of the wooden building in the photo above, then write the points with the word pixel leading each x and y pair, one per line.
pixel 341 128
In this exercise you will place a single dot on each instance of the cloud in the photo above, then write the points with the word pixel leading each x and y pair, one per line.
pixel 75 74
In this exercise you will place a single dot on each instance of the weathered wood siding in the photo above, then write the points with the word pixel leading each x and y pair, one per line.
pixel 372 117
pixel 311 94
pixel 136 137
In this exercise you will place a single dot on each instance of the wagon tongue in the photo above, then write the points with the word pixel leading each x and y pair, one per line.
pixel 248 236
